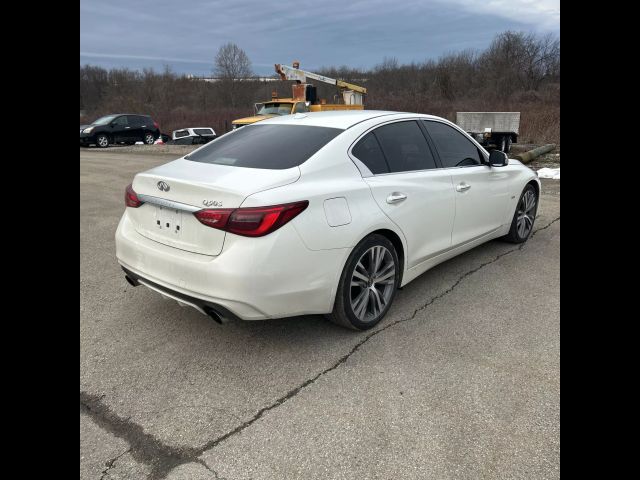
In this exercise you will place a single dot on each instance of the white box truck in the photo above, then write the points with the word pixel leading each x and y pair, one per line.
pixel 497 129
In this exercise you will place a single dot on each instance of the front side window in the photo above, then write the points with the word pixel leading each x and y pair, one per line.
pixel 454 148
pixel 121 121
pixel 273 147
pixel 104 120
pixel 405 147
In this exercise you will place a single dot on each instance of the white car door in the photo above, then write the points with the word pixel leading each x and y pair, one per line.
pixel 409 187
pixel 481 192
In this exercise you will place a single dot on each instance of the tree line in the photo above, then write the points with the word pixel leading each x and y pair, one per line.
pixel 518 72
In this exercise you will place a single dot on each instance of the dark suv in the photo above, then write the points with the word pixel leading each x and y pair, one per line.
pixel 119 128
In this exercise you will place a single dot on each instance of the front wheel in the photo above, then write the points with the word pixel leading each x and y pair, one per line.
pixel 102 141
pixel 367 285
pixel 149 138
pixel 522 223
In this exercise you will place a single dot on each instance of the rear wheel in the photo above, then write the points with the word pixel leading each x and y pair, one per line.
pixel 507 144
pixel 102 141
pixel 367 285
pixel 149 138
pixel 522 223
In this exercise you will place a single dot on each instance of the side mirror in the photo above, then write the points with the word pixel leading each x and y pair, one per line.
pixel 498 159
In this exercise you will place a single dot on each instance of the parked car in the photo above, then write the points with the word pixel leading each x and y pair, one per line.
pixel 119 128
pixel 192 136
pixel 319 213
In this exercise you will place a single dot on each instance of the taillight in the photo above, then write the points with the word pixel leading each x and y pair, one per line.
pixel 130 198
pixel 253 221
pixel 155 124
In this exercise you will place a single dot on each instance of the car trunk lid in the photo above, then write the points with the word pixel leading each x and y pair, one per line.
pixel 172 192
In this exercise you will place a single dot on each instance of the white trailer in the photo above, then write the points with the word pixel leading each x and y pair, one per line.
pixel 499 129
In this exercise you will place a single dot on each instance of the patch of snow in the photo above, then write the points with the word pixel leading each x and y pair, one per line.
pixel 553 173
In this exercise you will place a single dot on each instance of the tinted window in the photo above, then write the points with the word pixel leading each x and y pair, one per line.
pixel 405 147
pixel 454 148
pixel 135 120
pixel 121 121
pixel 203 131
pixel 184 141
pixel 181 133
pixel 368 152
pixel 104 120
pixel 301 107
pixel 273 147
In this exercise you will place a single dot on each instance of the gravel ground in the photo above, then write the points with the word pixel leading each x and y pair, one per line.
pixel 178 150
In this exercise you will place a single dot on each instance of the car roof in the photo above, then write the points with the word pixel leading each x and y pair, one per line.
pixel 339 118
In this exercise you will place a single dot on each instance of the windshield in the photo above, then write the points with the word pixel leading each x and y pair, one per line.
pixel 105 120
pixel 275 109
pixel 273 147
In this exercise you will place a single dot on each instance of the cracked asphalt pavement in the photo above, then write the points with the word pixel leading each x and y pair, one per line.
pixel 461 380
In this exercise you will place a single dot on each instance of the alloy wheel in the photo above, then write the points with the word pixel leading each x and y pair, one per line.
pixel 526 213
pixel 372 283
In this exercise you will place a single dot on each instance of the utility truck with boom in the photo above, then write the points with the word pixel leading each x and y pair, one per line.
pixel 304 96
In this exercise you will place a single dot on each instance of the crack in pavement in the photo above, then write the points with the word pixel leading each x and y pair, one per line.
pixel 110 463
pixel 163 458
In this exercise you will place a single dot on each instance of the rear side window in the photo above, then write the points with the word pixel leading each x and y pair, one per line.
pixel 272 147
pixel 405 147
pixel 182 133
pixel 135 120
pixel 368 152
pixel 454 148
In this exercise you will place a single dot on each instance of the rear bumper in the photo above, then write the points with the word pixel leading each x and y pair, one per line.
pixel 252 279
pixel 202 305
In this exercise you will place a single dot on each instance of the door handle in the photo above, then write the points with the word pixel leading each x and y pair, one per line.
pixel 127 127
pixel 462 187
pixel 396 197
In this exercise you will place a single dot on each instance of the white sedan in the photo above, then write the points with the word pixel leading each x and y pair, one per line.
pixel 318 213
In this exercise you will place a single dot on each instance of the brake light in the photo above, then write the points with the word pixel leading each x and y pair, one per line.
pixel 155 124
pixel 131 198
pixel 253 221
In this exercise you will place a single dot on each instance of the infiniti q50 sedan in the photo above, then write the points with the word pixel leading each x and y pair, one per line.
pixel 318 213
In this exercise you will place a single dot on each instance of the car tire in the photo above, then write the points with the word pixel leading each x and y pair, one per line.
pixel 102 141
pixel 503 143
pixel 524 216
pixel 361 302
pixel 148 138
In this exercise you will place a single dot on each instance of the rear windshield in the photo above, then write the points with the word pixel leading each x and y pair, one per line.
pixel 272 147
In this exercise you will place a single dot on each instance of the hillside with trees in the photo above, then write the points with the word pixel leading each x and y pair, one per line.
pixel 517 72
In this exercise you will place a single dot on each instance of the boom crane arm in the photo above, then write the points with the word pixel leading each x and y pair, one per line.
pixel 291 73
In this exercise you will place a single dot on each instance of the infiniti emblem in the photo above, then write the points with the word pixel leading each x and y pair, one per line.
pixel 163 187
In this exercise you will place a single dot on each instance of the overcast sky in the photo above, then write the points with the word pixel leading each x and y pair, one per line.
pixel 187 35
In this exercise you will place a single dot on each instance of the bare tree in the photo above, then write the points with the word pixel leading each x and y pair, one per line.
pixel 232 65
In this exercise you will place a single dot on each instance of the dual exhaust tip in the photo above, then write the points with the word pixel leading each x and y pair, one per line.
pixel 209 311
